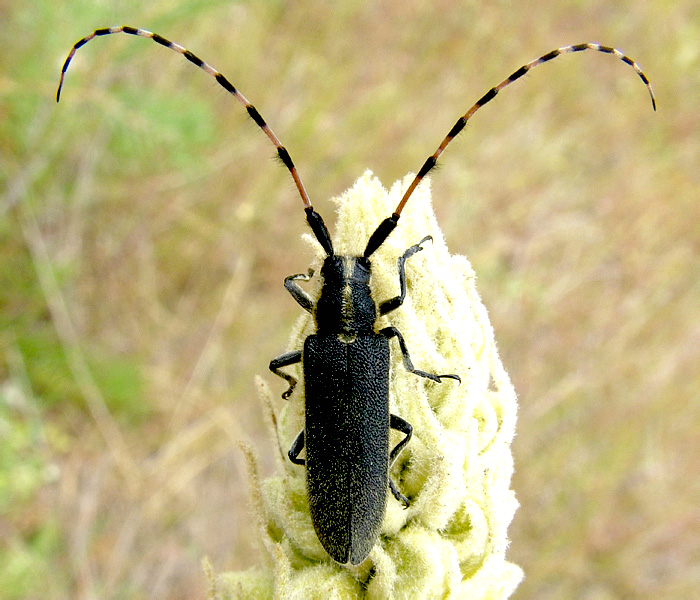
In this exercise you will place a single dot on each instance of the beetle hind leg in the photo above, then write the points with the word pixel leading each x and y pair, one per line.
pixel 398 495
pixel 404 427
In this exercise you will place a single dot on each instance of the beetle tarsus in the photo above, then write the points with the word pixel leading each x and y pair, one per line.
pixel 398 495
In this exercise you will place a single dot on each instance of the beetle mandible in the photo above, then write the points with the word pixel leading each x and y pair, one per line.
pixel 346 362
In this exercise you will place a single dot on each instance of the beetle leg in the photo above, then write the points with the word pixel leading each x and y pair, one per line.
pixel 390 332
pixel 404 427
pixel 398 495
pixel 394 303
pixel 302 297
pixel 297 447
pixel 289 358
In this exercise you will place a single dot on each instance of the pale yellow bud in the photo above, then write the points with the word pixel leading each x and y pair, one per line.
pixel 451 541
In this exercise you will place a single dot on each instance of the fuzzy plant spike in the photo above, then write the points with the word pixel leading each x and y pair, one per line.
pixel 456 470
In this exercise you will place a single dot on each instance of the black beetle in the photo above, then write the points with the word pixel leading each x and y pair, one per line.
pixel 346 378
pixel 346 362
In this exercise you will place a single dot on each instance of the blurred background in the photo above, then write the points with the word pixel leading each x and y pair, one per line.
pixel 145 232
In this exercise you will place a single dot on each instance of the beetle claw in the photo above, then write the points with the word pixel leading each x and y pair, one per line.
pixel 457 378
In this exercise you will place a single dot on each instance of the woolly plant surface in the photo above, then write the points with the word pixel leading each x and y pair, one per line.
pixel 456 470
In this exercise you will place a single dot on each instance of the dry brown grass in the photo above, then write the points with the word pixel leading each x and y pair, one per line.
pixel 159 235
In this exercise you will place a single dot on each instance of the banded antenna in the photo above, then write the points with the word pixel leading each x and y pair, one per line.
pixel 491 94
pixel 221 80
pixel 314 219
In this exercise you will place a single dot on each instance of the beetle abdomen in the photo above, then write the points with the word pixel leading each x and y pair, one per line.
pixel 347 441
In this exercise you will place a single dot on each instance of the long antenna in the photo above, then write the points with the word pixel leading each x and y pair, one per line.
pixel 221 80
pixel 488 96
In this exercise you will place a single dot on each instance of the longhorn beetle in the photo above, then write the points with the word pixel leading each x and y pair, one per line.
pixel 346 362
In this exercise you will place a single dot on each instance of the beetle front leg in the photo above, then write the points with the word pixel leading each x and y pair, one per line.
pixel 301 296
pixel 404 427
pixel 289 358
pixel 393 303
pixel 390 332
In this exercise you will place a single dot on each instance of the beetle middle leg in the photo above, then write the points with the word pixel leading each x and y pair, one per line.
pixel 390 332
pixel 296 448
pixel 284 360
